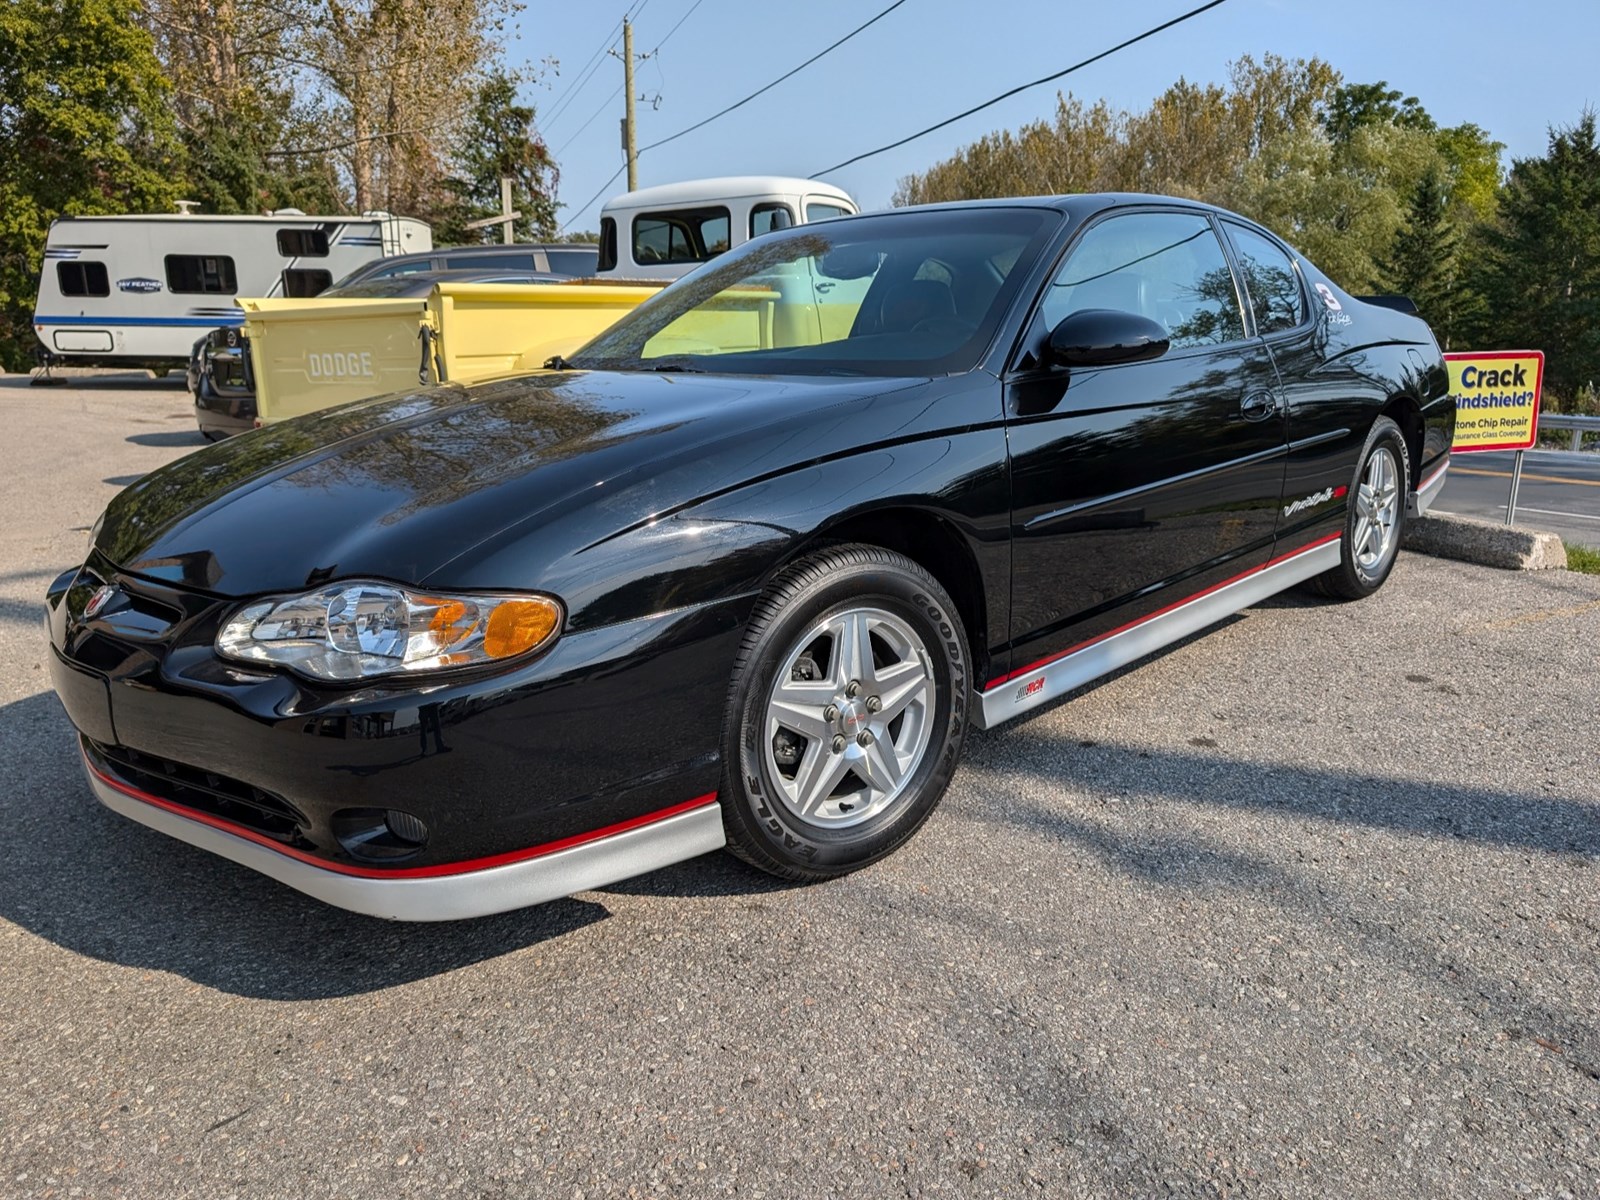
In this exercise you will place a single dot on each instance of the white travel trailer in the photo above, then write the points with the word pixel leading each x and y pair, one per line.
pixel 138 290
pixel 667 231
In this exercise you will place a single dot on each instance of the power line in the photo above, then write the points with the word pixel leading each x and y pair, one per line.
pixel 564 102
pixel 604 105
pixel 1195 12
pixel 788 75
pixel 570 93
pixel 577 212
pixel 681 20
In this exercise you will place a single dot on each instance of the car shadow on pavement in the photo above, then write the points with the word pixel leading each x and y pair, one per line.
pixel 172 437
pixel 95 883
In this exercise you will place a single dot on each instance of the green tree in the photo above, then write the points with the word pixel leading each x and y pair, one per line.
pixel 1541 260
pixel 1422 264
pixel 1355 106
pixel 501 139
pixel 85 128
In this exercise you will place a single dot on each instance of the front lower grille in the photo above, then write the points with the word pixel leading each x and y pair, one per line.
pixel 204 791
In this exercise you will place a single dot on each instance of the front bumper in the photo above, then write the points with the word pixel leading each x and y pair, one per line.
pixel 448 893
pixel 592 763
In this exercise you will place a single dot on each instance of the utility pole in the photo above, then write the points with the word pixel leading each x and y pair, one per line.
pixel 630 138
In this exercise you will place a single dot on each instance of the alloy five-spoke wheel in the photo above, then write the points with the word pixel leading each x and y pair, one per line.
pixel 849 717
pixel 1378 504
pixel 846 715
pixel 1375 518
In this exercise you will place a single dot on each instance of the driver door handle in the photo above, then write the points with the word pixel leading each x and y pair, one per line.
pixel 1258 406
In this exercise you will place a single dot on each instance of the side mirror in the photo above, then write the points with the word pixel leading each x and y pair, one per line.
pixel 1099 337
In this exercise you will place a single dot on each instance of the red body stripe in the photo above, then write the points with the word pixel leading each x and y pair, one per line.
pixel 433 872
pixel 1160 612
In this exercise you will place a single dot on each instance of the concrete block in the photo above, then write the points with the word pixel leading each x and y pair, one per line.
pixel 1485 543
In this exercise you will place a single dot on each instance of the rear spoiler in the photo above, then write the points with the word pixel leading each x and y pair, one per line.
pixel 1401 304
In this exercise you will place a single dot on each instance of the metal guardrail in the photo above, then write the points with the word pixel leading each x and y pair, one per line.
pixel 1578 425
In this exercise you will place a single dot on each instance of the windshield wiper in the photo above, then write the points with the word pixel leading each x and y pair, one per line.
pixel 557 363
pixel 683 367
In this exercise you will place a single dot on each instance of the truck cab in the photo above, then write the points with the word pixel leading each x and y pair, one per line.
pixel 667 231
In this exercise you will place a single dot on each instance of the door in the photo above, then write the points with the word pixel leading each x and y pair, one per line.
pixel 1138 485
pixel 1326 403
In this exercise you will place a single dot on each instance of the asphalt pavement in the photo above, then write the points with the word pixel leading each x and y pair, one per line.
pixel 1559 493
pixel 1308 906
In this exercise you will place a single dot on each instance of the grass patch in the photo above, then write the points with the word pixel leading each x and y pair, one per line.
pixel 1583 558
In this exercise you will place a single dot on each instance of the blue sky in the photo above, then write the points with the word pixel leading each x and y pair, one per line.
pixel 1512 69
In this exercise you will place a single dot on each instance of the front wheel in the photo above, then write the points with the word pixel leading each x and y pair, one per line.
pixel 1376 518
pixel 846 716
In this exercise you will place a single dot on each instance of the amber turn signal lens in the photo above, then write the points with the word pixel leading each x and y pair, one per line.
pixel 517 626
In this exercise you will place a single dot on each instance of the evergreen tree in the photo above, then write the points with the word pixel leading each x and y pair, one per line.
pixel 1423 263
pixel 1542 259
pixel 501 139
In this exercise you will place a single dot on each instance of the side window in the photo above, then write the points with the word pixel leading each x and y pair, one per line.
pixel 416 267
pixel 764 218
pixel 1276 297
pixel 490 262
pixel 572 262
pixel 1165 266
pixel 819 210
pixel 608 244
pixel 201 273
pixel 83 279
pixel 304 281
pixel 303 243
pixel 688 235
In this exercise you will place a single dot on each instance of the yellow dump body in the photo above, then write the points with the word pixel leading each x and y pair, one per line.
pixel 313 354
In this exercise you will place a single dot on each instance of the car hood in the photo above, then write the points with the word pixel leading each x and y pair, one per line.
pixel 396 488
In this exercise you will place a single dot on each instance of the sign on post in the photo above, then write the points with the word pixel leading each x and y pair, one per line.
pixel 1497 399
pixel 1497 405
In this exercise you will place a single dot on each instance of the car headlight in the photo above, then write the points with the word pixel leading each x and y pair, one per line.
pixel 360 629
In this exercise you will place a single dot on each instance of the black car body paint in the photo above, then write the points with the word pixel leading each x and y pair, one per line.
pixel 1059 508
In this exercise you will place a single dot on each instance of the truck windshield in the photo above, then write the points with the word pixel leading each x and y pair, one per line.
pixel 914 293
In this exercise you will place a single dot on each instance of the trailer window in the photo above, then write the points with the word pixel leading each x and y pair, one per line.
pixel 687 235
pixel 83 279
pixel 201 273
pixel 302 281
pixel 303 243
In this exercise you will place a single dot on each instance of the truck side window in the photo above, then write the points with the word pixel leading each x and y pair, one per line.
pixel 764 218
pixel 608 245
pixel 83 279
pixel 816 210
pixel 201 273
pixel 685 235
pixel 303 243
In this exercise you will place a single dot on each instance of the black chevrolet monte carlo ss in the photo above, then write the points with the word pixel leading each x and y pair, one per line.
pixel 745 569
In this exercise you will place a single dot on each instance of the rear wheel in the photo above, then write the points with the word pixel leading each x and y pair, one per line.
pixel 1376 518
pixel 846 716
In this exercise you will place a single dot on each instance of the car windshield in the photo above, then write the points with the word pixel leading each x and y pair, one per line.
pixel 915 293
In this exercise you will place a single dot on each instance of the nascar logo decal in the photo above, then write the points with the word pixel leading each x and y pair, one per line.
pixel 1316 498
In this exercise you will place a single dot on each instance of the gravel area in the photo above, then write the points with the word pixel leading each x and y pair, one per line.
pixel 1307 906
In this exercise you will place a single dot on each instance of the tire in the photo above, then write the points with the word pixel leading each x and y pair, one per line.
pixel 781 749
pixel 1376 517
